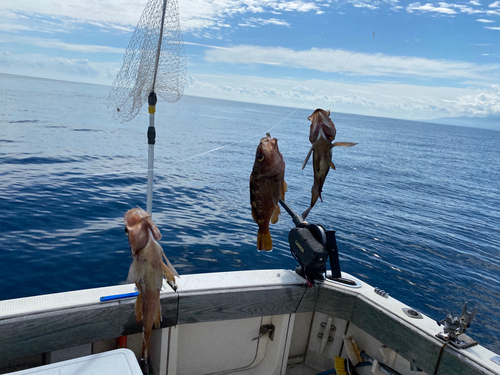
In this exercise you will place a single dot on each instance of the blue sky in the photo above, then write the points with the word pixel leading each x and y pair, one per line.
pixel 412 60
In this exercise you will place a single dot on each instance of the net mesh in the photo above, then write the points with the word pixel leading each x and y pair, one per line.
pixel 136 78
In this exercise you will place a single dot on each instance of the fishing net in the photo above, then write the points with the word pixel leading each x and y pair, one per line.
pixel 154 61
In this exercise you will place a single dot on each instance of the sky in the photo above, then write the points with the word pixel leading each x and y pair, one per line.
pixel 410 60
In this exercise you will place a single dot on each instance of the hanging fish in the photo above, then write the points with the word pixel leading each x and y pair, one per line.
pixel 267 186
pixel 147 270
pixel 321 135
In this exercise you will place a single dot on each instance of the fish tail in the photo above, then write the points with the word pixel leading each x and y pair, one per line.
pixel 315 194
pixel 306 212
pixel 264 241
pixel 146 333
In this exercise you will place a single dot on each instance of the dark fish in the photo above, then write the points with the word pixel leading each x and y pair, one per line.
pixel 321 134
pixel 147 270
pixel 267 186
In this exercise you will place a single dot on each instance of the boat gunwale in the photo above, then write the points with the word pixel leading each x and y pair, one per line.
pixel 39 332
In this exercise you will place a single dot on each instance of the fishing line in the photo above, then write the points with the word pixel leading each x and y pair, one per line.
pixel 282 120
pixel 252 136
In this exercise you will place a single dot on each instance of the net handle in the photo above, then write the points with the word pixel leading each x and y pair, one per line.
pixel 159 44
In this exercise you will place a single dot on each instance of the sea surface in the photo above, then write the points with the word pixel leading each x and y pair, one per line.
pixel 415 205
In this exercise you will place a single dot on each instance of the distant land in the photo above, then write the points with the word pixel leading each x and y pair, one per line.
pixel 489 122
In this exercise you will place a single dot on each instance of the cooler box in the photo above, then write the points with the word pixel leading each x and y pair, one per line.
pixel 115 362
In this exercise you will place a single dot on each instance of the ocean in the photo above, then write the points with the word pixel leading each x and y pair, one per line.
pixel 415 205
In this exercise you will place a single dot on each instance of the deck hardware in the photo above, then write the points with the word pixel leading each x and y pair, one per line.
pixel 412 313
pixel 455 327
pixel 343 281
pixel 415 368
pixel 381 292
pixel 325 336
pixel 496 359
pixel 266 329
pixel 323 325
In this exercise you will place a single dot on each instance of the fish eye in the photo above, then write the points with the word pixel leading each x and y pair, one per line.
pixel 260 157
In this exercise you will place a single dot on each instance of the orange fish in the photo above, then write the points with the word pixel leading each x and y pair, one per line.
pixel 267 186
pixel 321 134
pixel 147 270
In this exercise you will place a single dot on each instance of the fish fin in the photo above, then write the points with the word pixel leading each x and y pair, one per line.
pixel 169 265
pixel 264 241
pixel 307 158
pixel 284 189
pixel 276 214
pixel 169 275
pixel 138 308
pixel 136 271
pixel 344 144
pixel 332 165
pixel 152 226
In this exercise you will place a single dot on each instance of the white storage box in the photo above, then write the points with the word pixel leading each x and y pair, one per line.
pixel 115 362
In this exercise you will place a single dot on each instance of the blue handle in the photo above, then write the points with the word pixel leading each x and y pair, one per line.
pixel 118 296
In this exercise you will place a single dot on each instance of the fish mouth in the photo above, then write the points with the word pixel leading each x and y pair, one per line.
pixel 268 142
pixel 134 218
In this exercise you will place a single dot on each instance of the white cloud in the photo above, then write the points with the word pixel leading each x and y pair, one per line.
pixel 377 99
pixel 294 5
pixel 466 9
pixel 57 44
pixel 443 8
pixel 48 67
pixel 496 4
pixel 195 14
pixel 479 104
pixel 329 60
pixel 492 28
pixel 473 2
pixel 485 21
pixel 362 4
pixel 254 22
